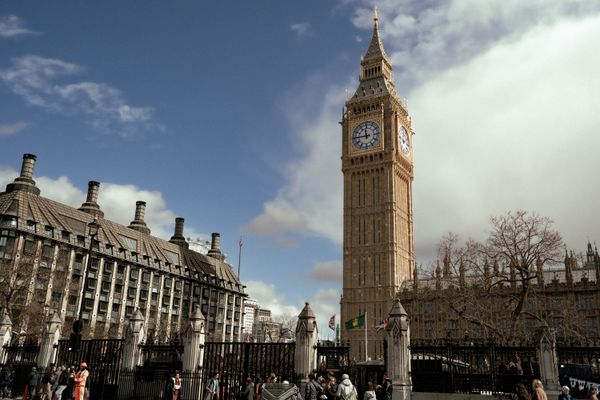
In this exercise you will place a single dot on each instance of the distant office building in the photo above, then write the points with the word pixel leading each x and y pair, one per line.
pixel 250 305
pixel 47 250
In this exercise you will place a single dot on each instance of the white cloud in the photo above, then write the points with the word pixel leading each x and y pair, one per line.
pixel 267 297
pixel 41 82
pixel 301 29
pixel 310 202
pixel 324 304
pixel 12 129
pixel 505 120
pixel 12 26
pixel 516 128
pixel 326 271
pixel 425 38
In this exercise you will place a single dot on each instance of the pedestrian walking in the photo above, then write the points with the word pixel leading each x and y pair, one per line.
pixel 313 389
pixel 47 381
pixel 176 385
pixel 32 384
pixel 346 390
pixel 522 393
pixel 370 393
pixel 384 391
pixel 593 394
pixel 61 383
pixel 212 388
pixel 538 390
pixel 565 394
pixel 81 378
pixel 248 393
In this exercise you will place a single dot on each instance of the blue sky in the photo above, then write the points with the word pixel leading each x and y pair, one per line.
pixel 225 113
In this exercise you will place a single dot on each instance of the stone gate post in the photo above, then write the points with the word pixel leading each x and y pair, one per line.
pixel 195 335
pixel 398 352
pixel 306 345
pixel 547 357
pixel 50 338
pixel 5 336
pixel 134 334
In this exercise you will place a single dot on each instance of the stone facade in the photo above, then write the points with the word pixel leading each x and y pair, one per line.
pixel 566 298
pixel 45 248
pixel 377 165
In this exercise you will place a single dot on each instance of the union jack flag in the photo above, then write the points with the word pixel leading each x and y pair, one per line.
pixel 332 322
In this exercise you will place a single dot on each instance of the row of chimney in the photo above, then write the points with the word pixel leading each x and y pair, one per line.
pixel 25 182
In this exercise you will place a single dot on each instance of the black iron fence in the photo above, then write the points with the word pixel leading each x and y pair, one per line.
pixel 21 359
pixel 470 367
pixel 579 367
pixel 238 361
pixel 140 385
pixel 103 357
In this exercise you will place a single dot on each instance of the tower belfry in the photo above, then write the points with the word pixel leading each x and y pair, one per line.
pixel 377 164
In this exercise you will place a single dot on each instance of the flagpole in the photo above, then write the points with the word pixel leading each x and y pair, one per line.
pixel 240 258
pixel 366 342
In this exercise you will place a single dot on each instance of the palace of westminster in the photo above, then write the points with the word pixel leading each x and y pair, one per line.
pixel 51 262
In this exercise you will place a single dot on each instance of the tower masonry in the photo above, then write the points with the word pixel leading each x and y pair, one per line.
pixel 377 165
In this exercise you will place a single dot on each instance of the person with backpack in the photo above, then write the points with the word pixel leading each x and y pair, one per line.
pixel 346 390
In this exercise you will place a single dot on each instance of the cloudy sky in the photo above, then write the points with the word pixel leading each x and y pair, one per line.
pixel 227 114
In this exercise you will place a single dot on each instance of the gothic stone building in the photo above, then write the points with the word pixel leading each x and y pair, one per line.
pixel 377 164
pixel 567 298
pixel 45 248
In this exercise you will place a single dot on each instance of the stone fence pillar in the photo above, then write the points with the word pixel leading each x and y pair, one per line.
pixel 398 352
pixel 134 334
pixel 546 352
pixel 194 337
pixel 50 338
pixel 5 336
pixel 306 345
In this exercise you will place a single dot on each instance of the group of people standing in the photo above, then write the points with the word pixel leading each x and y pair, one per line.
pixel 62 383
pixel 327 388
pixel 539 393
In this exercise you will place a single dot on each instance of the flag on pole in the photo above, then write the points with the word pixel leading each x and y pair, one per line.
pixel 241 242
pixel 382 326
pixel 357 322
pixel 332 322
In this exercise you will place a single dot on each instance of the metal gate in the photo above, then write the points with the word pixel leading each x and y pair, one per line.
pixel 238 361
pixel 103 357
pixel 22 359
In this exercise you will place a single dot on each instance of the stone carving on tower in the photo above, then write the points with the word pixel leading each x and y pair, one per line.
pixel 377 164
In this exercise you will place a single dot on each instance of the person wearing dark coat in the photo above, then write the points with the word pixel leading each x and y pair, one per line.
pixel 248 393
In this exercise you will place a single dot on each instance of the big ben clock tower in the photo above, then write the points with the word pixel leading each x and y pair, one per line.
pixel 377 164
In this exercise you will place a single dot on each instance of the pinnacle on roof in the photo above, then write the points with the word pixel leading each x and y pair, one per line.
pixel 375 49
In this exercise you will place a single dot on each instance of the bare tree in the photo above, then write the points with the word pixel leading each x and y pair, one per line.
pixel 15 284
pixel 476 274
pixel 523 241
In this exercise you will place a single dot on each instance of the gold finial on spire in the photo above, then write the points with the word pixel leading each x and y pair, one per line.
pixel 375 14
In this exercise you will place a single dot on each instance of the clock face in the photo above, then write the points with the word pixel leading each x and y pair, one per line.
pixel 403 140
pixel 365 135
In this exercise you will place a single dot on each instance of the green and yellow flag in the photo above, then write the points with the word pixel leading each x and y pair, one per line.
pixel 357 322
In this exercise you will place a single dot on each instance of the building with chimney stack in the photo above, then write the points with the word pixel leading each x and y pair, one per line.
pixel 46 247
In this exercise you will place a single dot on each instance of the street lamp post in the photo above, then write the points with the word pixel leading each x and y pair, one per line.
pixel 93 229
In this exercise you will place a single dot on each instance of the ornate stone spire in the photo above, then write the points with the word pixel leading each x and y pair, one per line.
pixel 375 50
